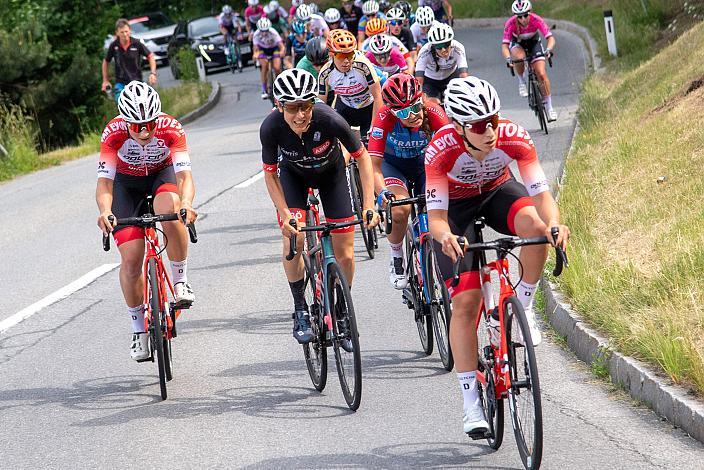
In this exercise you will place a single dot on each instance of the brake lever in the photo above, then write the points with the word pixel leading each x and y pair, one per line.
pixel 461 241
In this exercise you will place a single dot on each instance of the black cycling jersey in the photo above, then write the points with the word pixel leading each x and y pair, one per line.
pixel 406 38
pixel 128 62
pixel 316 149
pixel 352 18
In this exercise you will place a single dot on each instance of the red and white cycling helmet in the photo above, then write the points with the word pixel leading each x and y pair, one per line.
pixel 139 103
pixel 401 91
pixel 470 99
pixel 520 7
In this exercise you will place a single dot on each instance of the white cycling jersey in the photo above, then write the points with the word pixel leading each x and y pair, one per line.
pixel 268 39
pixel 351 87
pixel 437 68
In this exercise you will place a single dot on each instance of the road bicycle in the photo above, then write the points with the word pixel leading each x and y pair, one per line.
pixel 234 54
pixel 535 96
pixel 369 235
pixel 508 369
pixel 160 312
pixel 270 76
pixel 332 315
pixel 426 293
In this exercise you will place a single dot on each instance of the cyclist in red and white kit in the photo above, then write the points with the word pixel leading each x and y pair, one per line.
pixel 467 176
pixel 143 151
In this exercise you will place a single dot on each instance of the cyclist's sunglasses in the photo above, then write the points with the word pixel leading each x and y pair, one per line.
pixel 524 15
pixel 384 56
pixel 443 45
pixel 479 127
pixel 295 108
pixel 395 22
pixel 344 55
pixel 139 127
pixel 405 113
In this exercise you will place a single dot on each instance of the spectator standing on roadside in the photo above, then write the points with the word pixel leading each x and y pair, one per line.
pixel 128 53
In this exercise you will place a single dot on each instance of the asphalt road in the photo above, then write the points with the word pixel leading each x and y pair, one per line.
pixel 70 397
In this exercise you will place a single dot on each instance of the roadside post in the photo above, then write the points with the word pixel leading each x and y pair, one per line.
pixel 201 68
pixel 610 32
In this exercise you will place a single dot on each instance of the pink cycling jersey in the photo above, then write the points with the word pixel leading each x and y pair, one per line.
pixel 395 64
pixel 514 33
pixel 452 173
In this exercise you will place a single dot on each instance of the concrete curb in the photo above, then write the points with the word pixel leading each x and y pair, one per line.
pixel 642 383
pixel 205 107
pixel 594 60
pixel 667 400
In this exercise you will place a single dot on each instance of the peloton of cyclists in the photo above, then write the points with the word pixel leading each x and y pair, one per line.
pixel 522 36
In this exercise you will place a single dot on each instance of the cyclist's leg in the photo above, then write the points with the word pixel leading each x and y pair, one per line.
pixel 395 181
pixel 543 80
pixel 277 65
pixel 433 89
pixel 337 205
pixel 518 54
pixel 263 70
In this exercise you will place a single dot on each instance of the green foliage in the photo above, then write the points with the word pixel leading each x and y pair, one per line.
pixel 186 59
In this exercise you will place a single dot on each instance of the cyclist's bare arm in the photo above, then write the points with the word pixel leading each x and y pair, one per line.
pixel 187 191
pixel 505 51
pixel 282 49
pixel 276 193
pixel 551 43
pixel 378 174
pixel 106 81
pixel 448 8
pixel 368 177
pixel 375 90
pixel 440 230
pixel 550 214
pixel 103 197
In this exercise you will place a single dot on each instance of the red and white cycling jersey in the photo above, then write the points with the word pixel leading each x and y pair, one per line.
pixel 452 173
pixel 119 153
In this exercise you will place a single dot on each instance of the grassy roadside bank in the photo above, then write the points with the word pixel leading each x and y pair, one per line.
pixel 632 182
pixel 18 138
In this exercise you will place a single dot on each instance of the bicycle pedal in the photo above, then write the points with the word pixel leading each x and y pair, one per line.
pixel 147 359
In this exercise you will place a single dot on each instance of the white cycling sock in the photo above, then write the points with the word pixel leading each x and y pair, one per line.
pixel 178 271
pixel 396 249
pixel 548 101
pixel 521 79
pixel 468 385
pixel 526 294
pixel 137 315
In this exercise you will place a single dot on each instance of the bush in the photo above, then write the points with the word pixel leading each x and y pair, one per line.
pixel 187 67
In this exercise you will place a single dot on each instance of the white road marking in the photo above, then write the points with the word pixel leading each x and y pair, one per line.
pixel 251 180
pixel 62 293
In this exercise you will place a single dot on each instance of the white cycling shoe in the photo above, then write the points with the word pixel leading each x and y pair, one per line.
pixel 523 90
pixel 535 333
pixel 397 274
pixel 474 422
pixel 552 115
pixel 265 96
pixel 139 350
pixel 183 295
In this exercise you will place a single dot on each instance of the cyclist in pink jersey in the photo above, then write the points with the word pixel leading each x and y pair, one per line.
pixel 252 14
pixel 522 36
pixel 143 151
pixel 468 176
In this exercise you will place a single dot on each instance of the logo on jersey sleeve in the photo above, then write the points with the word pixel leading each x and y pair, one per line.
pixel 377 132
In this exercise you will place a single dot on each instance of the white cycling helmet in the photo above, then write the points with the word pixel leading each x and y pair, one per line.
pixel 226 10
pixel 470 99
pixel 395 14
pixel 139 103
pixel 303 12
pixel 264 24
pixel 370 7
pixel 296 3
pixel 380 44
pixel 313 7
pixel 295 85
pixel 520 7
pixel 274 5
pixel 253 3
pixel 332 15
pixel 440 33
pixel 425 16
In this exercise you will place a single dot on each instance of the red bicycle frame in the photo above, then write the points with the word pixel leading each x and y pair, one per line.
pixel 152 250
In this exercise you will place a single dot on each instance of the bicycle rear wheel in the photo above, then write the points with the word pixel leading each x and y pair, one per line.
pixel 440 307
pixel 524 394
pixel 493 405
pixel 156 329
pixel 344 324
pixel 357 199
pixel 315 352
pixel 423 317
pixel 168 352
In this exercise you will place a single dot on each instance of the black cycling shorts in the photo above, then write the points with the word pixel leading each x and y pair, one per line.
pixel 332 185
pixel 499 208
pixel 404 172
pixel 129 192
pixel 531 48
pixel 361 117
pixel 435 88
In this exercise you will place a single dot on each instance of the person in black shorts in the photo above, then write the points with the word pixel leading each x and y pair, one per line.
pixel 128 53
pixel 301 150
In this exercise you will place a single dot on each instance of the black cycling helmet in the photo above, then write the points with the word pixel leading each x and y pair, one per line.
pixel 405 6
pixel 317 51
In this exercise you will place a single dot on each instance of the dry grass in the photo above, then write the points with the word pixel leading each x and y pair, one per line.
pixel 638 246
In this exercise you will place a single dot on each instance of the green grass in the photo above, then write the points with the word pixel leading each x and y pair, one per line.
pixel 19 137
pixel 637 252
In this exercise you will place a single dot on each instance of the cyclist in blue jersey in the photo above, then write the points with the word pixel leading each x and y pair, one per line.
pixel 400 132
pixel 296 43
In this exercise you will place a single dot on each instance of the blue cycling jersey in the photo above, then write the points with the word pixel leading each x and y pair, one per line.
pixel 295 47
pixel 403 142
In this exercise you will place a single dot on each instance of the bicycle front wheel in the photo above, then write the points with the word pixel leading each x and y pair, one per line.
pixel 345 337
pixel 423 316
pixel 524 393
pixel 440 307
pixel 540 110
pixel 156 329
pixel 315 352
pixel 493 405
pixel 270 84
